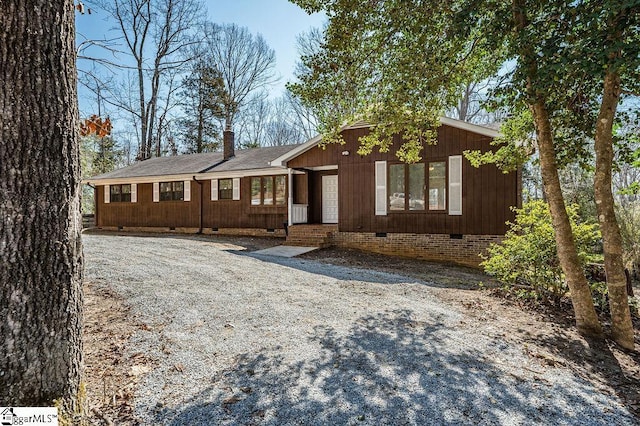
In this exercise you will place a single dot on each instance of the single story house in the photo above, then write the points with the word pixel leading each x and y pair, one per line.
pixel 441 208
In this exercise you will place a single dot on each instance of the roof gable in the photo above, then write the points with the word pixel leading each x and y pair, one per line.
pixel 302 148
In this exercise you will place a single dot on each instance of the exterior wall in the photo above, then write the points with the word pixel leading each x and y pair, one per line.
pixel 146 213
pixel 240 213
pixel 186 214
pixel 487 193
pixel 434 247
pixel 301 188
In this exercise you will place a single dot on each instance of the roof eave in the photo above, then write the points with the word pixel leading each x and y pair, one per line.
pixel 187 176
pixel 481 130
pixel 301 149
pixel 139 179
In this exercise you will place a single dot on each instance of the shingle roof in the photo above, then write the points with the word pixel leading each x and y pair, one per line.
pixel 256 158
pixel 175 165
pixel 246 159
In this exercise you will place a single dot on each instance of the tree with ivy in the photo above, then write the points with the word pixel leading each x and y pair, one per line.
pixel 569 63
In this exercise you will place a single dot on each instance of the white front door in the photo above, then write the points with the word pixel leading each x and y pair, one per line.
pixel 330 199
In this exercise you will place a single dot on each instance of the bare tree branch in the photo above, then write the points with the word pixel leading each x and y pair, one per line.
pixel 244 61
pixel 155 36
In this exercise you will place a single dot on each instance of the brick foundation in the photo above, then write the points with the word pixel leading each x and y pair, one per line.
pixel 435 247
pixel 464 250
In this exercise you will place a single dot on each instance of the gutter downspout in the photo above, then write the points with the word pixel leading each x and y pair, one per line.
pixel 290 201
pixel 200 214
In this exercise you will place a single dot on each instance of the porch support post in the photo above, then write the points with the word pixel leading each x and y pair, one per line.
pixel 290 198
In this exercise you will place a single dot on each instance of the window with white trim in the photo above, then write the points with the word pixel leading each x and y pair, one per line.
pixel 406 187
pixel 413 187
pixel 225 189
pixel 172 191
pixel 269 190
pixel 434 186
pixel 120 193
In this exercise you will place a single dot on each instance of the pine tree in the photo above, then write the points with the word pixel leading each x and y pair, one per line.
pixel 201 99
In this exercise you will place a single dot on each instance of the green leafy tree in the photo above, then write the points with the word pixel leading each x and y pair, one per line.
pixel 612 29
pixel 575 60
pixel 387 63
pixel 569 63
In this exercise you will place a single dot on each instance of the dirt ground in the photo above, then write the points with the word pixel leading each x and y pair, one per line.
pixel 111 376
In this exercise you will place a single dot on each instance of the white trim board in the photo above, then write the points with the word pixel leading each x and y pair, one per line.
pixel 481 130
pixel 271 171
pixel 323 168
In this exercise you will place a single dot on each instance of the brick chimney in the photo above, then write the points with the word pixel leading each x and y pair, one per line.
pixel 228 144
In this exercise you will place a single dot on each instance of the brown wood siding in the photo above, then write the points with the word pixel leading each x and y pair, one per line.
pixel 145 212
pixel 240 213
pixel 301 189
pixel 215 214
pixel 487 193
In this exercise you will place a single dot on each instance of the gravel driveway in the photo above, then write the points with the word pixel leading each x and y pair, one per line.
pixel 242 339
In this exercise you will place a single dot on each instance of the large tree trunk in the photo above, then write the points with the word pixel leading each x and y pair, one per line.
pixel 152 109
pixel 586 317
pixel 621 326
pixel 143 150
pixel 199 135
pixel 40 247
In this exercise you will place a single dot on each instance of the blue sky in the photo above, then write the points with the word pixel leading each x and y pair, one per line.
pixel 278 21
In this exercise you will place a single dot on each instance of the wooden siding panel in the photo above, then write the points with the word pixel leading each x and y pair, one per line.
pixel 145 212
pixel 471 197
pixel 502 197
pixel 216 214
pixel 240 213
pixel 301 189
pixel 487 195
pixel 485 191
pixel 357 207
